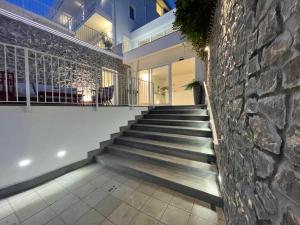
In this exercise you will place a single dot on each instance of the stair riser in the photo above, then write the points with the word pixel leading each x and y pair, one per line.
pixel 168 151
pixel 176 123
pixel 169 139
pixel 146 159
pixel 198 133
pixel 176 117
pixel 196 112
pixel 180 107
pixel 213 200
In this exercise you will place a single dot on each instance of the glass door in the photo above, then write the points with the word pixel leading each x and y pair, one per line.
pixel 160 79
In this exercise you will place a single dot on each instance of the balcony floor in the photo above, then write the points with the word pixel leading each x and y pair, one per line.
pixel 94 195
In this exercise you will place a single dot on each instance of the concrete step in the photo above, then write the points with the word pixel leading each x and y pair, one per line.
pixel 172 138
pixel 192 131
pixel 202 188
pixel 199 112
pixel 177 117
pixel 198 153
pixel 180 107
pixel 201 169
pixel 185 123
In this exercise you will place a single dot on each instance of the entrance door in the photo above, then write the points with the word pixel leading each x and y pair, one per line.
pixel 160 80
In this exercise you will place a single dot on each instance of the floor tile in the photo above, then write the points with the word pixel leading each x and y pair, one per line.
pixel 202 203
pixel 99 181
pixel 163 194
pixel 132 183
pixel 65 203
pixel 122 191
pixel 136 199
pixel 147 188
pixel 41 218
pixel 52 192
pixel 110 186
pixel 71 215
pixel 194 220
pixel 84 191
pixel 108 205
pixel 5 209
pixel 175 216
pixel 10 220
pixel 106 222
pixel 143 219
pixel 56 221
pixel 120 178
pixel 95 197
pixel 154 208
pixel 90 218
pixel 205 213
pixel 123 214
pixel 27 206
pixel 182 201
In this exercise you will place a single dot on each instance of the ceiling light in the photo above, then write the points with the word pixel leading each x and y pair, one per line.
pixel 24 163
pixel 61 154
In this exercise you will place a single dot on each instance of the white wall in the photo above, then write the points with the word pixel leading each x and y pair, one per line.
pixel 44 130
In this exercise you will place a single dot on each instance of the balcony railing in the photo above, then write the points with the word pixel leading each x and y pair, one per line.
pixel 32 77
pixel 72 25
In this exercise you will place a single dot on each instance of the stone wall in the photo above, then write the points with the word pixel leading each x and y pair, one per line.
pixel 254 84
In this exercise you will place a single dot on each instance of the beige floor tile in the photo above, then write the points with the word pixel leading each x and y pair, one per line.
pixel 123 214
pixel 147 188
pixel 56 221
pixel 27 206
pixel 95 197
pixel 175 216
pixel 120 178
pixel 41 218
pixel 133 183
pixel 122 191
pixel 107 222
pixel 108 205
pixel 90 218
pixel 52 192
pixel 206 214
pixel 163 194
pixel 99 181
pixel 143 219
pixel 194 220
pixel 110 186
pixel 5 209
pixel 65 203
pixel 10 220
pixel 136 199
pixel 71 215
pixel 182 201
pixel 84 191
pixel 154 208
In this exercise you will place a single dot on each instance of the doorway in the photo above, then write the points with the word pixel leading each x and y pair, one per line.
pixel 160 80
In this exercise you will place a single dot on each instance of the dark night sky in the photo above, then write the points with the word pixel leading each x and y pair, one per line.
pixel 171 3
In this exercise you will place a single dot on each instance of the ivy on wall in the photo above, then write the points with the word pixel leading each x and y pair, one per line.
pixel 193 21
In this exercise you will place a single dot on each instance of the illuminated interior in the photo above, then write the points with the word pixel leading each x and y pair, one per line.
pixel 100 24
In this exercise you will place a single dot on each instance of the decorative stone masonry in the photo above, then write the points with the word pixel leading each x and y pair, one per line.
pixel 254 85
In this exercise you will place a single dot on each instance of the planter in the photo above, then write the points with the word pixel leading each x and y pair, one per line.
pixel 198 97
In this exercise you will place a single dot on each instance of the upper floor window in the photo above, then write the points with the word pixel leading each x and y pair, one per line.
pixel 159 9
pixel 132 12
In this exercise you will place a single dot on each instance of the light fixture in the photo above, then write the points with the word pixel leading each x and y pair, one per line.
pixel 220 178
pixel 61 154
pixel 206 48
pixel 25 162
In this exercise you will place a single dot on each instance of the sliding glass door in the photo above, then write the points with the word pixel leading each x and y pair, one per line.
pixel 160 79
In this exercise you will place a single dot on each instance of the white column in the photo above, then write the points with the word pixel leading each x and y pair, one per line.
pixel 199 69
pixel 170 84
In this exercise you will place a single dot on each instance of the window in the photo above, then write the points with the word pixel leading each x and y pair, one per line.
pixel 132 12
pixel 159 9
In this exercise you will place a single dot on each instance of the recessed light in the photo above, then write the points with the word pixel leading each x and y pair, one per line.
pixel 24 163
pixel 61 154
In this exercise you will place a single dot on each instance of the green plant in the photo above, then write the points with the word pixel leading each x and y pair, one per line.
pixel 193 21
pixel 192 85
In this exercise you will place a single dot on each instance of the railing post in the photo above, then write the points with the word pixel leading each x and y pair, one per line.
pixel 27 81
pixel 97 89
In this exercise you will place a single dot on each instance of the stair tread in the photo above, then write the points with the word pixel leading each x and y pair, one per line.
pixel 174 175
pixel 188 137
pixel 174 114
pixel 173 127
pixel 167 158
pixel 173 120
pixel 185 147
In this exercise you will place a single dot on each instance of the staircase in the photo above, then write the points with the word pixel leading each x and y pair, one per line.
pixel 172 146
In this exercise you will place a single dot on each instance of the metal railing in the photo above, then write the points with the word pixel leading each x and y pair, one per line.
pixel 73 25
pixel 31 77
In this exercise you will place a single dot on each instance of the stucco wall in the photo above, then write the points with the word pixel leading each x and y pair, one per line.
pixel 254 82
pixel 40 133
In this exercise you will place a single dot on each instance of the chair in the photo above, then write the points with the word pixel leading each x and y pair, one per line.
pixel 105 95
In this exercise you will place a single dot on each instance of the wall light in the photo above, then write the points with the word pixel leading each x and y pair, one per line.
pixel 61 154
pixel 206 48
pixel 25 162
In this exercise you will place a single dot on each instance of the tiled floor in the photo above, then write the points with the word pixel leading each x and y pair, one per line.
pixel 94 195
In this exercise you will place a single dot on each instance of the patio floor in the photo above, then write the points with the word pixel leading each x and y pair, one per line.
pixel 94 195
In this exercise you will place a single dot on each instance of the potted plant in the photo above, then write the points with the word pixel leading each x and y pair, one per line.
pixel 196 86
